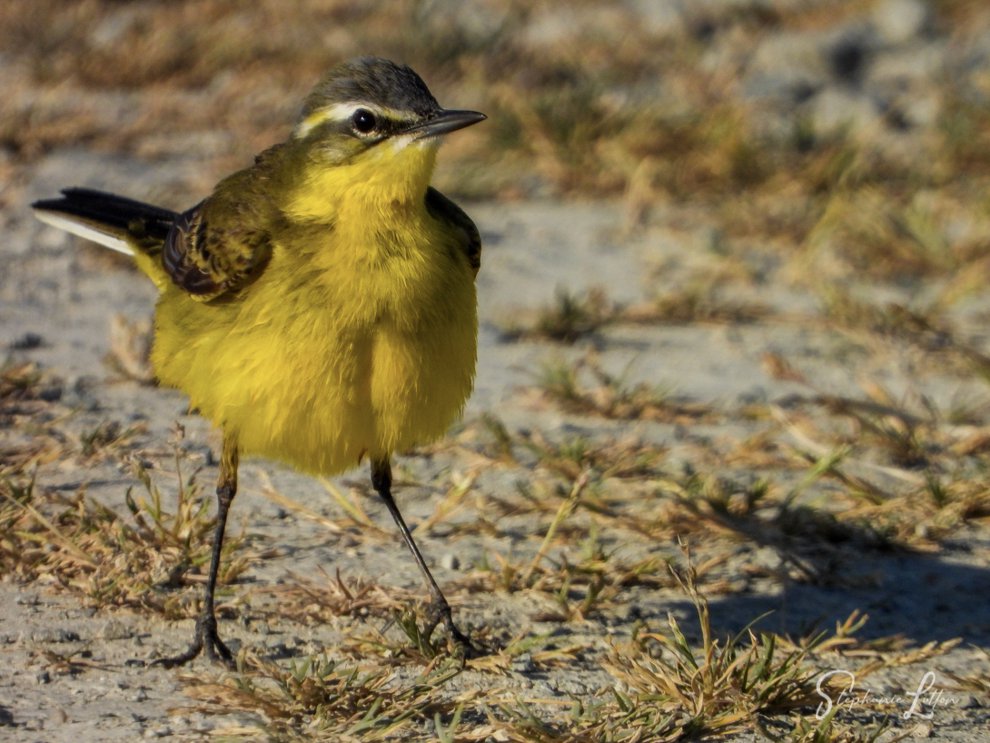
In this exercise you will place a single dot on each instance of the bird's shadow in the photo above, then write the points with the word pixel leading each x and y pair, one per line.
pixel 923 598
pixel 920 596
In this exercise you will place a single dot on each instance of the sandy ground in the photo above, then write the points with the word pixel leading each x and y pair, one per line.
pixel 52 288
pixel 821 251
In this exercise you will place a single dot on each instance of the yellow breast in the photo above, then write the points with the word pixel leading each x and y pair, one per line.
pixel 353 342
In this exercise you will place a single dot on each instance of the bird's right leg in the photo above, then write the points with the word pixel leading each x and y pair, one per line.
pixel 207 639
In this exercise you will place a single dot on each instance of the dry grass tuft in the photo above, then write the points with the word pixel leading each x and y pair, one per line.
pixel 612 397
pixel 666 688
pixel 663 686
pixel 320 698
pixel 571 318
pixel 78 544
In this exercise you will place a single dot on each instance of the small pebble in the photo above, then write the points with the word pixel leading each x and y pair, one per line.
pixel 114 629
pixel 26 342
pixel 54 635
pixel 970 702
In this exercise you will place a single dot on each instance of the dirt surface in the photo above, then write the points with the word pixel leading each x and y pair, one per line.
pixel 53 290
pixel 805 426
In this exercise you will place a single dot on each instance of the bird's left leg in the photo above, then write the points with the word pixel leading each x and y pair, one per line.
pixel 439 610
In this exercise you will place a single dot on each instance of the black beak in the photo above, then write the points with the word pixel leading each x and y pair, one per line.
pixel 444 122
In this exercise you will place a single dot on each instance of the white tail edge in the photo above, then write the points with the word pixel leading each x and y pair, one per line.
pixel 84 231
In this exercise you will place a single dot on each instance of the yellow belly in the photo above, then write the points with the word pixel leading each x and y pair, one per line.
pixel 316 372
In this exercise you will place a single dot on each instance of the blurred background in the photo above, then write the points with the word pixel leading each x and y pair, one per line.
pixel 835 126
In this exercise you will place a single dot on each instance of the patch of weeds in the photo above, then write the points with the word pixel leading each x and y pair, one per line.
pixel 322 698
pixel 25 389
pixel 922 328
pixel 812 542
pixel 966 410
pixel 410 637
pixel 932 487
pixel 19 381
pixel 570 318
pixel 700 302
pixel 944 507
pixel 977 682
pixel 593 583
pixel 29 415
pixel 574 316
pixel 106 439
pixel 499 444
pixel 803 728
pixel 919 327
pixel 16 493
pixel 69 664
pixel 572 565
pixel 695 503
pixel 623 459
pixel 719 687
pixel 425 640
pixel 418 638
pixel 666 688
pixel 964 125
pixel 872 230
pixel 83 546
pixel 307 602
pixel 543 651
pixel 563 117
pixel 883 425
pixel 564 510
pixel 612 397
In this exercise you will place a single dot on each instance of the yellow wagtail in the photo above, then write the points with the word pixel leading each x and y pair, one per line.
pixel 319 306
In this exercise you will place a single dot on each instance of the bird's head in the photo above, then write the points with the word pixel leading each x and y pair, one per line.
pixel 374 126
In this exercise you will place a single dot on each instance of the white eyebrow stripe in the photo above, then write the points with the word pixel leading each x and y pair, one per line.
pixel 342 111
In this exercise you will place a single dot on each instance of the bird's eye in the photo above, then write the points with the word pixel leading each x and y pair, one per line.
pixel 364 121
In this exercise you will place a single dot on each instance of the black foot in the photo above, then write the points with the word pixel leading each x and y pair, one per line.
pixel 439 613
pixel 207 641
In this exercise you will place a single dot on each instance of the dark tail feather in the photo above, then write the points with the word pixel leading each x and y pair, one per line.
pixel 119 216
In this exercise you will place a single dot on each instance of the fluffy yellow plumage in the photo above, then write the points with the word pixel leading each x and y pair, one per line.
pixel 319 306
pixel 356 341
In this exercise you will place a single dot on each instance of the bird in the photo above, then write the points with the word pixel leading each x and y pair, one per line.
pixel 319 306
